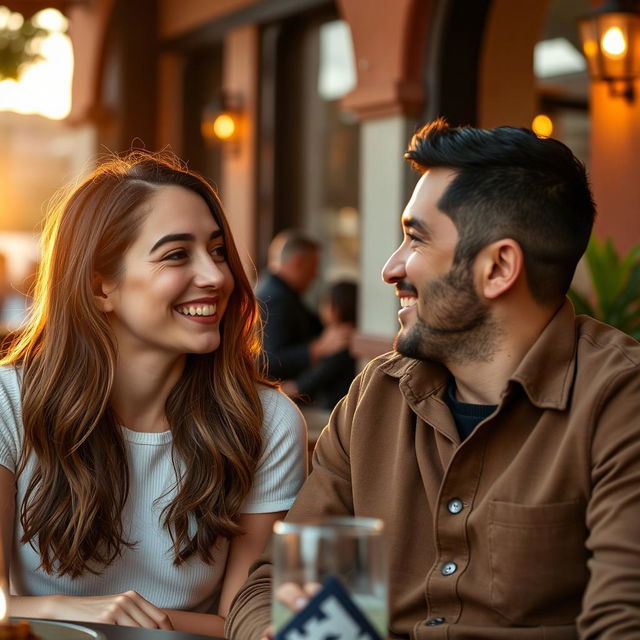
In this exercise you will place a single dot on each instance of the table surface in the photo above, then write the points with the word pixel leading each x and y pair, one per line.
pixel 117 632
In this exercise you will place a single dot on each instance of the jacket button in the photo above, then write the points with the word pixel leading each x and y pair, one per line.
pixel 434 621
pixel 448 568
pixel 455 506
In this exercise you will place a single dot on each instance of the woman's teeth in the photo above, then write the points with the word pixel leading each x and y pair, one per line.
pixel 197 310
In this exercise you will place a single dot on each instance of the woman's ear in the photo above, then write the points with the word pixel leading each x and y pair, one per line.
pixel 501 265
pixel 102 299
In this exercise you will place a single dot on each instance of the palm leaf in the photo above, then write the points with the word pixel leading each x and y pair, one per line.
pixel 616 286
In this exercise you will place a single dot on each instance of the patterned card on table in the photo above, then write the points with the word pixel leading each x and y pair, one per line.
pixel 330 615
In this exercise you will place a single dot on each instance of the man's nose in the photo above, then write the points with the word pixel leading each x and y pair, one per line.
pixel 394 269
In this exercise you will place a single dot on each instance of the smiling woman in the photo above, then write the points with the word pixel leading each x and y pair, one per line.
pixel 177 264
pixel 147 455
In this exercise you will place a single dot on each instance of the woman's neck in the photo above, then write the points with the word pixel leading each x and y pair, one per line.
pixel 141 386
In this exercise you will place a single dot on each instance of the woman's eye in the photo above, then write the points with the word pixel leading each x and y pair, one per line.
pixel 174 256
pixel 219 253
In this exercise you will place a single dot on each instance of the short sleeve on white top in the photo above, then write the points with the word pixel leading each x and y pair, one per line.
pixel 283 464
pixel 10 418
pixel 148 567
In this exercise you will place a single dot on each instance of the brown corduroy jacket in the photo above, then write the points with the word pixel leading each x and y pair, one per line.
pixel 547 543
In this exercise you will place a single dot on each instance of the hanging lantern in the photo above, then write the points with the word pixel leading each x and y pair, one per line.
pixel 611 44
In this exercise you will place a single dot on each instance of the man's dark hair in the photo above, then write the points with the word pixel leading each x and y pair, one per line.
pixel 512 184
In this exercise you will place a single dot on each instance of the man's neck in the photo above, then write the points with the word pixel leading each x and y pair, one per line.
pixel 484 382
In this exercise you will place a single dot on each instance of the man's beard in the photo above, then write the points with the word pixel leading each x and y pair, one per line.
pixel 460 328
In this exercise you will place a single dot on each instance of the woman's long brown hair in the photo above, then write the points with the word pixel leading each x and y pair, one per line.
pixel 73 506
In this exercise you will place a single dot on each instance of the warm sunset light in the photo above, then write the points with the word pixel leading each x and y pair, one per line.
pixel 614 44
pixel 44 86
pixel 542 125
pixel 3 605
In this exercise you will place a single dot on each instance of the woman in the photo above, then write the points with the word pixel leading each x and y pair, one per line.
pixel 143 459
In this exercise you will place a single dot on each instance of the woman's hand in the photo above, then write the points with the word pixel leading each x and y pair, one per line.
pixel 129 609
pixel 293 596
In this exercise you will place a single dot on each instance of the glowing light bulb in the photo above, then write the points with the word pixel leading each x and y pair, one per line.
pixel 614 44
pixel 542 125
pixel 224 126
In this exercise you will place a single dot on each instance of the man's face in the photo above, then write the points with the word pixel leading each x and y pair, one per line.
pixel 442 317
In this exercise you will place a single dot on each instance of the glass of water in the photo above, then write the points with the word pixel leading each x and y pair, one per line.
pixel 353 550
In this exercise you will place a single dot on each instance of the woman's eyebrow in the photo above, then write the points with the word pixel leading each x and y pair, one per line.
pixel 185 237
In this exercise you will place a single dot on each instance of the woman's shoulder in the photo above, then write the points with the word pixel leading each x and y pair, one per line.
pixel 280 412
pixel 10 416
pixel 10 380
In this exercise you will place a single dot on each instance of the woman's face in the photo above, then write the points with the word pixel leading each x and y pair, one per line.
pixel 175 282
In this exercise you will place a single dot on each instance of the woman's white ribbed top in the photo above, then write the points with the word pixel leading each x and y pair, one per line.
pixel 147 568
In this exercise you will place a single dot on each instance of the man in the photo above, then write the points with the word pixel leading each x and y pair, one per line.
pixel 294 339
pixel 500 443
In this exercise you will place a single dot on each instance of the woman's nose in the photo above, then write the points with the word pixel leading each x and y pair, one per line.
pixel 209 273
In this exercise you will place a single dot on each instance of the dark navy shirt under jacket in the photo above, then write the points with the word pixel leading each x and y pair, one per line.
pixel 467 416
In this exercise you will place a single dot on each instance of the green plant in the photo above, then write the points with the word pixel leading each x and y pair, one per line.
pixel 616 287
pixel 17 40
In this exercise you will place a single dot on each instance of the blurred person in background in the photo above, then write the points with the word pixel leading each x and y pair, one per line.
pixel 323 384
pixel 143 459
pixel 294 339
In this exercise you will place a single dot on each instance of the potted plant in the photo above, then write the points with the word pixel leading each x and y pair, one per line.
pixel 616 287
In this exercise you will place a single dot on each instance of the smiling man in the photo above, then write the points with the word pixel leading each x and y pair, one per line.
pixel 500 441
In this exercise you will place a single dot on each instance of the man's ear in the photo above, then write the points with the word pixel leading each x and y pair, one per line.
pixel 501 264
pixel 100 294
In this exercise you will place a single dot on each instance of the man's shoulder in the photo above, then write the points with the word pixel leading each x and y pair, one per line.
pixel 606 345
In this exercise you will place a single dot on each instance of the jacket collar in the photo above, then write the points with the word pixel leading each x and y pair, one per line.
pixel 545 373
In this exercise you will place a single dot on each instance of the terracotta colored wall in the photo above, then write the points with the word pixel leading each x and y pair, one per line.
pixel 507 86
pixel 615 165
pixel 169 132
pixel 238 188
pixel 179 16
pixel 390 76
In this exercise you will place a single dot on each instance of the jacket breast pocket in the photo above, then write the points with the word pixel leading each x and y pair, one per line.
pixel 538 561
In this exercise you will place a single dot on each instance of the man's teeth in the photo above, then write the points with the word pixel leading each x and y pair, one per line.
pixel 199 310
pixel 408 302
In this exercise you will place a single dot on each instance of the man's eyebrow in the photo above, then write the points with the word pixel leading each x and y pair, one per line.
pixel 185 237
pixel 417 225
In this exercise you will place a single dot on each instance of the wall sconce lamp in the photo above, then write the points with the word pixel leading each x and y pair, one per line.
pixel 223 123
pixel 610 36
